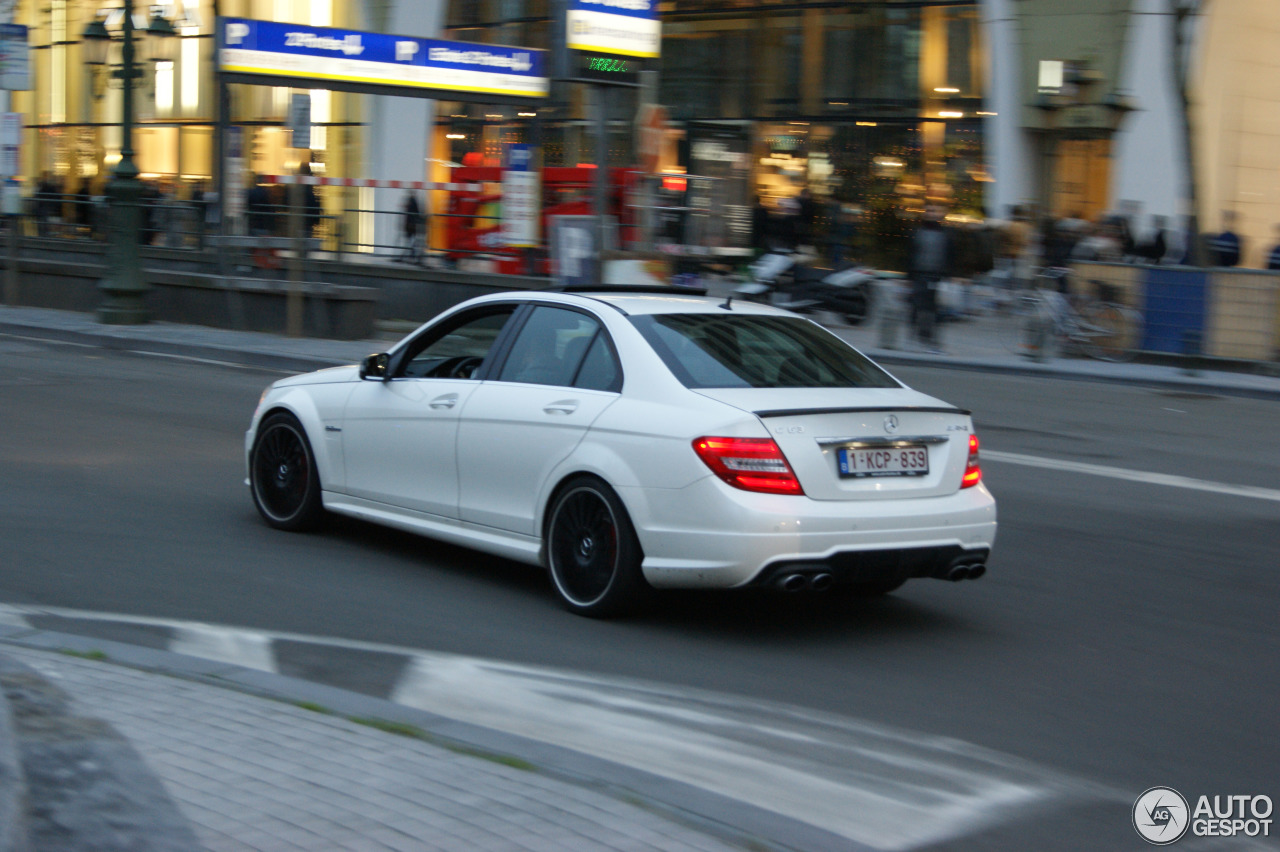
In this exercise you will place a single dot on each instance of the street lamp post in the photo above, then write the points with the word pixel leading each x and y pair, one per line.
pixel 122 286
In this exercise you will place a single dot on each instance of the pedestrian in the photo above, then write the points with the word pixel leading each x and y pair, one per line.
pixel 840 233
pixel 1151 249
pixel 311 209
pixel 1225 247
pixel 760 229
pixel 806 218
pixel 82 208
pixel 260 213
pixel 1273 262
pixel 931 260
pixel 48 205
pixel 411 221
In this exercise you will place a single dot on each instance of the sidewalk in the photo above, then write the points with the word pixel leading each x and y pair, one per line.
pixel 969 345
pixel 131 749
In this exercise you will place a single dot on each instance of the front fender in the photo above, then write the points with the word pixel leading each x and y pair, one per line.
pixel 314 415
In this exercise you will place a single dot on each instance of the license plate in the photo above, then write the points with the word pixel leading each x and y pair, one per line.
pixel 895 461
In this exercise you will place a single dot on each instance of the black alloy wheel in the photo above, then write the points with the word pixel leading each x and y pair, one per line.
pixel 592 550
pixel 283 476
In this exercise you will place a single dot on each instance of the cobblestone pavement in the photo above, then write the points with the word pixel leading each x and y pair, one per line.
pixel 255 773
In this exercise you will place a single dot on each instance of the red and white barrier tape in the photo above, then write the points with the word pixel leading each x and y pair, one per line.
pixel 316 180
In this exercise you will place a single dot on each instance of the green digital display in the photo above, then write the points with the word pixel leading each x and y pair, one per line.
pixel 607 64
pixel 618 70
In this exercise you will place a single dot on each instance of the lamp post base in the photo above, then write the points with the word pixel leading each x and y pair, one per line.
pixel 123 288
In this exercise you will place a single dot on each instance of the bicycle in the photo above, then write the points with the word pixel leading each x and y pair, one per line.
pixel 1042 322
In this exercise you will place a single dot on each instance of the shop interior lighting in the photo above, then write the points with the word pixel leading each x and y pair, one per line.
pixel 947 90
pixel 950 114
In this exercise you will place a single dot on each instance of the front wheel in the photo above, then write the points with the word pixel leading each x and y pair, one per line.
pixel 283 476
pixel 592 550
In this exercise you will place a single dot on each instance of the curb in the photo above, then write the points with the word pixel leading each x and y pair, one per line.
pixel 13 784
pixel 241 357
pixel 698 809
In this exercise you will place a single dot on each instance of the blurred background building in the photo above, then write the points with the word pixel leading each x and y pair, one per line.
pixel 870 106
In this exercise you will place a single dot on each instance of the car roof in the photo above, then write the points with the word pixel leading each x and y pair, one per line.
pixel 676 302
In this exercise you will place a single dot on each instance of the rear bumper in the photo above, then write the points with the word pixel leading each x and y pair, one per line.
pixel 849 568
pixel 710 535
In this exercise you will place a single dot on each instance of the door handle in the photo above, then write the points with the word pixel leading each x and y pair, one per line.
pixel 564 406
pixel 447 401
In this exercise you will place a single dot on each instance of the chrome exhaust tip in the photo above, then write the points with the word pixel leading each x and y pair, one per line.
pixel 793 582
pixel 958 573
pixel 977 571
pixel 821 582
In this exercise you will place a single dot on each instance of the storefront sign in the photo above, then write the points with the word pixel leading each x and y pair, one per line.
pixel 624 27
pixel 15 64
pixel 721 194
pixel 270 49
pixel 521 205
pixel 10 143
pixel 300 119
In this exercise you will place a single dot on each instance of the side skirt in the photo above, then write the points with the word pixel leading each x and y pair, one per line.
pixel 520 548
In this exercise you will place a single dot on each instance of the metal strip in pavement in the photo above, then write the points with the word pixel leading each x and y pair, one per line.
pixel 1147 477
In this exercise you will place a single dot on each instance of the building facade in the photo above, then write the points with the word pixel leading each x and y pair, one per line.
pixel 72 112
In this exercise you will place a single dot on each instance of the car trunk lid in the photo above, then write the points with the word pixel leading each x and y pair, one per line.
pixel 861 444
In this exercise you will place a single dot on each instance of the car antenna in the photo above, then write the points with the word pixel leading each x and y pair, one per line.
pixel 728 303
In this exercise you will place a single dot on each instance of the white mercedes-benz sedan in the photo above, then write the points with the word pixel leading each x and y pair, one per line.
pixel 631 439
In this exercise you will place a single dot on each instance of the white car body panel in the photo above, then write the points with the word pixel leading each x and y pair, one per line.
pixel 516 435
pixel 399 439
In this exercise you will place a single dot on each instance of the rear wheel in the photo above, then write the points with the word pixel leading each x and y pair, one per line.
pixel 1110 332
pixel 283 476
pixel 592 550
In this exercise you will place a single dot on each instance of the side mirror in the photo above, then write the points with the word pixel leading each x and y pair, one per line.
pixel 376 367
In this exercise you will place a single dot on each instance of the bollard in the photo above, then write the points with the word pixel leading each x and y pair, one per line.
pixel 1037 337
pixel 1191 346
pixel 888 314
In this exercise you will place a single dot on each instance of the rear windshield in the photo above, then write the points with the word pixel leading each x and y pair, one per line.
pixel 745 351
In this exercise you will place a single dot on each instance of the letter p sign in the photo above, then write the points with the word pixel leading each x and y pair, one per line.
pixel 406 50
pixel 236 32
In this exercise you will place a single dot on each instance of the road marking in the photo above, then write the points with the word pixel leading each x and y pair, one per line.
pixel 225 645
pixel 882 788
pixel 1166 479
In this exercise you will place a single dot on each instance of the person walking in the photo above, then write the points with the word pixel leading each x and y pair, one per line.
pixel 931 260
pixel 1225 247
pixel 411 221
pixel 1153 246
pixel 1273 261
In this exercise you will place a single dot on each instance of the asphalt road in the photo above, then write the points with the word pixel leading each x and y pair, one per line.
pixel 1125 633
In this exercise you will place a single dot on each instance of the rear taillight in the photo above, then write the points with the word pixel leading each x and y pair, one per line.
pixel 752 464
pixel 972 470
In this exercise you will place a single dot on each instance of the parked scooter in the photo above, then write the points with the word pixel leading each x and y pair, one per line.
pixel 779 279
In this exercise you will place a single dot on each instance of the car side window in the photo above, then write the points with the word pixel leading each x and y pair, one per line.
pixel 550 347
pixel 600 369
pixel 456 350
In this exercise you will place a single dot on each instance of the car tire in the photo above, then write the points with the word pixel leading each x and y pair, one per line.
pixel 592 550
pixel 283 476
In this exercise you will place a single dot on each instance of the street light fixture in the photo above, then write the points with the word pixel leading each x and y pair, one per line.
pixel 123 285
